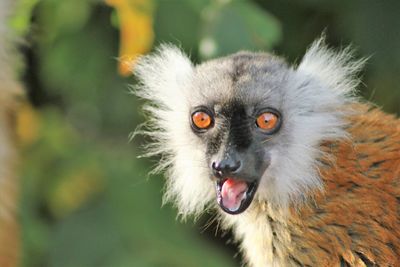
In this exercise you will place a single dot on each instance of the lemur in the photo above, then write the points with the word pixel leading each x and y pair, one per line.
pixel 10 92
pixel 302 170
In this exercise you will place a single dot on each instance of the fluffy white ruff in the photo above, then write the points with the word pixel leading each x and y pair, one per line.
pixel 316 102
pixel 315 95
pixel 166 81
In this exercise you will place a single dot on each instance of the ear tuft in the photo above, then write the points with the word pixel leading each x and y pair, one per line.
pixel 335 70
pixel 162 75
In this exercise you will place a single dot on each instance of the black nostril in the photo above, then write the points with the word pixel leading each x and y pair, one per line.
pixel 216 170
pixel 225 167
pixel 214 166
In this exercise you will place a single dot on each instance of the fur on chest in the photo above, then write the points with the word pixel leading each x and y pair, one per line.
pixel 277 238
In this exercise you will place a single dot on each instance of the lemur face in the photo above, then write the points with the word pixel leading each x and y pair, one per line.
pixel 236 137
pixel 238 124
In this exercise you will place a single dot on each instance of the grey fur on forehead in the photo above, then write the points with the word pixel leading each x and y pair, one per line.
pixel 251 77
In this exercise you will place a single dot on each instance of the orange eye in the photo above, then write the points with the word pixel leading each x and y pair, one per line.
pixel 201 120
pixel 267 121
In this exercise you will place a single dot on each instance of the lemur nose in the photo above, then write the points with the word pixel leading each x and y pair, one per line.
pixel 225 167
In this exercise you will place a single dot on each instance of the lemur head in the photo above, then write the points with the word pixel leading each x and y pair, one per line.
pixel 244 127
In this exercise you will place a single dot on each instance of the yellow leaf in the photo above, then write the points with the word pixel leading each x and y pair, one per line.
pixel 136 30
pixel 73 191
pixel 27 124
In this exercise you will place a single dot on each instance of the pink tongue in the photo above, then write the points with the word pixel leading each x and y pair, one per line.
pixel 232 193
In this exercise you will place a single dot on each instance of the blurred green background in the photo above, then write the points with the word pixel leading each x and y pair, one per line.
pixel 86 198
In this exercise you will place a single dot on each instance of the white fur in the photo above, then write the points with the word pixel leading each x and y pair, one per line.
pixel 316 101
pixel 165 79
pixel 256 235
pixel 315 95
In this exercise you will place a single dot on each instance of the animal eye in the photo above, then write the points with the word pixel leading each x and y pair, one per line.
pixel 267 121
pixel 201 120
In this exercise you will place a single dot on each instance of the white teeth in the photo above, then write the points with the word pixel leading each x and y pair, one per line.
pixel 235 208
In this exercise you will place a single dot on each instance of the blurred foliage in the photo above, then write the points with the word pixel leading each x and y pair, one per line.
pixel 370 26
pixel 21 22
pixel 135 21
pixel 86 198
pixel 209 28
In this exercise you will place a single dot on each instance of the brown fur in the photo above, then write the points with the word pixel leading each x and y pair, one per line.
pixel 9 231
pixel 354 222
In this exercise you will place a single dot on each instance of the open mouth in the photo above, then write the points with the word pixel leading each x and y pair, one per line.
pixel 234 196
